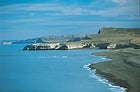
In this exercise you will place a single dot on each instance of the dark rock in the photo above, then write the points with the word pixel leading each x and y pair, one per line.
pixel 130 45
pixel 102 45
pixel 61 47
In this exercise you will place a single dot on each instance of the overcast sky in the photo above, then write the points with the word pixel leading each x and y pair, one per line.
pixel 23 19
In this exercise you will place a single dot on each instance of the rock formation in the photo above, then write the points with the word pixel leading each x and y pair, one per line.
pixel 45 46
pixel 107 38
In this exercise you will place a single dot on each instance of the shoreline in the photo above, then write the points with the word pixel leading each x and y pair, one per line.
pixel 122 68
pixel 104 80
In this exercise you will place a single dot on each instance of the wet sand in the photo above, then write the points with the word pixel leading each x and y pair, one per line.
pixel 123 69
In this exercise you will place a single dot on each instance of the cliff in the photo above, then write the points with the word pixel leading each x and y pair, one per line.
pixel 115 38
pixel 107 38
pixel 130 31
pixel 46 46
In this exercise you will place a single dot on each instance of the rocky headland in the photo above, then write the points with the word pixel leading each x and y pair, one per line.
pixel 123 46
pixel 44 46
pixel 107 38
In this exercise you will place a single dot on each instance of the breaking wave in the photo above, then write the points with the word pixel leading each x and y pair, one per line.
pixel 103 80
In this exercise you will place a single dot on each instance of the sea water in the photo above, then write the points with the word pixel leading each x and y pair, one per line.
pixel 50 71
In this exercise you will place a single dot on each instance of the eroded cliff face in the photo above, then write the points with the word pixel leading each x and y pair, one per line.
pixel 79 45
pixel 57 46
pixel 107 38
pixel 46 46
pixel 116 38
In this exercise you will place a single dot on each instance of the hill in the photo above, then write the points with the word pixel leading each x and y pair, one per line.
pixel 130 31
pixel 115 37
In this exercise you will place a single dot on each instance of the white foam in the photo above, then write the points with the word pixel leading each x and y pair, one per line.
pixel 87 66
pixel 104 58
pixel 103 80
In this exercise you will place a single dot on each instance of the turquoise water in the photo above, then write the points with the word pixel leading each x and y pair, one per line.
pixel 48 71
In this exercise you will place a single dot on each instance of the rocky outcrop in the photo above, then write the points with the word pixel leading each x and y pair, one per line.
pixel 122 45
pixel 89 45
pixel 78 45
pixel 111 46
pixel 74 45
pixel 102 45
pixel 45 46
pixel 107 38
pixel 69 46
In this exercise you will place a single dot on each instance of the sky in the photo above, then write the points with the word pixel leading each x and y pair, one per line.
pixel 23 19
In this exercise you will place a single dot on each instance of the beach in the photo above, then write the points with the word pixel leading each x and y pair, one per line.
pixel 122 68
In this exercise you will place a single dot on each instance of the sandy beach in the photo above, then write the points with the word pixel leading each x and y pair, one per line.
pixel 123 69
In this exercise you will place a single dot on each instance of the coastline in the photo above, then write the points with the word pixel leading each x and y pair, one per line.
pixel 123 69
pixel 103 80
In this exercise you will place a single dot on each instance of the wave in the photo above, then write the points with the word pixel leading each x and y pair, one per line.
pixel 103 58
pixel 86 66
pixel 103 80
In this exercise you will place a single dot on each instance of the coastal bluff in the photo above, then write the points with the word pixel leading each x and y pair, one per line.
pixel 107 38
pixel 44 46
pixel 123 46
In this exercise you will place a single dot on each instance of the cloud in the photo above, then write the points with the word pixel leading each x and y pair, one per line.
pixel 58 9
pixel 35 12
pixel 57 17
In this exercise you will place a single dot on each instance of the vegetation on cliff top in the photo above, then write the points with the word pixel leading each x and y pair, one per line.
pixel 116 35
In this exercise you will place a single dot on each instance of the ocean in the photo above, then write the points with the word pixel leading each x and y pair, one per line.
pixel 50 71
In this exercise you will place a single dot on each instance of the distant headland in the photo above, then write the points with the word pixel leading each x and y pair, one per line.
pixel 107 38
